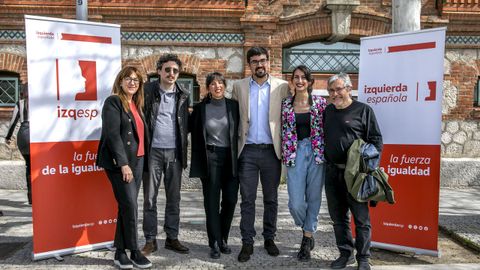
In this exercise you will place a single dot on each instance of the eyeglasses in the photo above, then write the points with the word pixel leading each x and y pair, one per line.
pixel 337 90
pixel 169 69
pixel 129 80
pixel 257 62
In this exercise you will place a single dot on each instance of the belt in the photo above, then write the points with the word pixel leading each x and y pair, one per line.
pixel 340 166
pixel 261 145
pixel 215 148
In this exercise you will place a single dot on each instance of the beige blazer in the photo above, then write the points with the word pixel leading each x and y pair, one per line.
pixel 278 91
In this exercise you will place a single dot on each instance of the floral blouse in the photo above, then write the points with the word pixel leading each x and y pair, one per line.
pixel 289 130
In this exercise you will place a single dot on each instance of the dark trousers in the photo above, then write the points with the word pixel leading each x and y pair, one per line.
pixel 162 162
pixel 339 203
pixel 126 235
pixel 220 180
pixel 28 177
pixel 255 161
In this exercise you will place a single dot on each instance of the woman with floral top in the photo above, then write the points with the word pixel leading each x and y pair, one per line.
pixel 302 154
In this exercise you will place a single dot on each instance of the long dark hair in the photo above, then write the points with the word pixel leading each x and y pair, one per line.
pixel 310 79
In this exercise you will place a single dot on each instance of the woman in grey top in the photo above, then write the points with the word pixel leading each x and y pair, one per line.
pixel 214 128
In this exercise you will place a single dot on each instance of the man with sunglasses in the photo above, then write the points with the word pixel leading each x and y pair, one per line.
pixel 166 114
pixel 259 147
pixel 346 120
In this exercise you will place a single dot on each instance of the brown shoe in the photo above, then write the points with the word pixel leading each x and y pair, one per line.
pixel 150 246
pixel 174 244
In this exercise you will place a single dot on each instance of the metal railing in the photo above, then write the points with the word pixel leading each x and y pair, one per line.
pixel 321 60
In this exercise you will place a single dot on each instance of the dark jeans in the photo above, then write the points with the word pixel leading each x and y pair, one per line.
pixel 220 180
pixel 126 194
pixel 162 162
pixel 339 203
pixel 258 161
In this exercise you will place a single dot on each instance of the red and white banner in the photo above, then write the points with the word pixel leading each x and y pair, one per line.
pixel 401 78
pixel 71 69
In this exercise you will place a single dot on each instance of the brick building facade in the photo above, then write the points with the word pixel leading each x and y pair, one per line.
pixel 213 35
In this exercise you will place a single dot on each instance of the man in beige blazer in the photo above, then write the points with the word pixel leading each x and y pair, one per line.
pixel 259 147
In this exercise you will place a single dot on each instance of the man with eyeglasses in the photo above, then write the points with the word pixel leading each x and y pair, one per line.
pixel 346 120
pixel 259 97
pixel 166 114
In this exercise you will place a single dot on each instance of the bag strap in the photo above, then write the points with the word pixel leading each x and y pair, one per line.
pixel 386 187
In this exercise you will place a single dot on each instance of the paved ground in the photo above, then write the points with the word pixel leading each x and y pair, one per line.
pixel 459 216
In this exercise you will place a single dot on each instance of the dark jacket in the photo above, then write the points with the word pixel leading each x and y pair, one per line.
pixel 198 164
pixel 152 101
pixel 119 140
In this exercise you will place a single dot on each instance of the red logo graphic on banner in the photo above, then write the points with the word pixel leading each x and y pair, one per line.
pixel 432 87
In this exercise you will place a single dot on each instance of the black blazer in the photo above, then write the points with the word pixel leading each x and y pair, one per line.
pixel 198 164
pixel 119 141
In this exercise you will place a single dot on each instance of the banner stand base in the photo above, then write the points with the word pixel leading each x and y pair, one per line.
pixel 398 248
pixel 59 258
pixel 69 251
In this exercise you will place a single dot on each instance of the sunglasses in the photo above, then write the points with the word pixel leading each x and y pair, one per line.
pixel 169 69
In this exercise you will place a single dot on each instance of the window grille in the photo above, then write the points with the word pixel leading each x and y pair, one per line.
pixel 322 58
pixel 8 91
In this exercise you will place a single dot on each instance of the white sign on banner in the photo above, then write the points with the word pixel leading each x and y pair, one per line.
pixel 401 78
pixel 71 69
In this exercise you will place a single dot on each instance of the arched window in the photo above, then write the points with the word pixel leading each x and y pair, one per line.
pixel 9 88
pixel 323 58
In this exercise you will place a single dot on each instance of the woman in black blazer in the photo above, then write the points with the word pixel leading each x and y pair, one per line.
pixel 214 128
pixel 121 153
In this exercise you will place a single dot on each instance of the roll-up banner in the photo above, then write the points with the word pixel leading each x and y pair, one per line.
pixel 401 78
pixel 71 69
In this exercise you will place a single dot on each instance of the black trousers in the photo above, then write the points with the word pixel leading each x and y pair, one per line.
pixel 255 161
pixel 28 177
pixel 340 202
pixel 126 194
pixel 220 180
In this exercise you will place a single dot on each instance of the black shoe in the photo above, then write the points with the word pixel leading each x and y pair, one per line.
pixel 271 248
pixel 245 253
pixel 363 265
pixel 342 262
pixel 139 260
pixel 304 254
pixel 312 246
pixel 174 244
pixel 121 260
pixel 215 252
pixel 224 248
pixel 150 246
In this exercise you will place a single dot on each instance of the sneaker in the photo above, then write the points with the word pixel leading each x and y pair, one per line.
pixel 342 262
pixel 271 248
pixel 121 260
pixel 175 245
pixel 139 260
pixel 245 253
pixel 363 265
pixel 150 246
pixel 304 254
